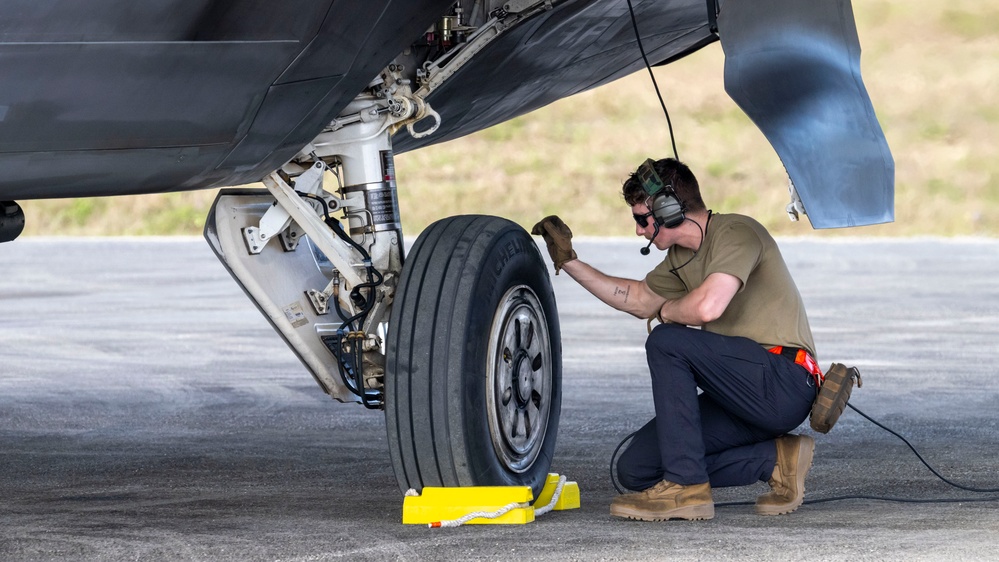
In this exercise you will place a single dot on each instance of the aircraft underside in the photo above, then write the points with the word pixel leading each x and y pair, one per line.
pixel 459 342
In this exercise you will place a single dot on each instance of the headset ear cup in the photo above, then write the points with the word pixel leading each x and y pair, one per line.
pixel 667 209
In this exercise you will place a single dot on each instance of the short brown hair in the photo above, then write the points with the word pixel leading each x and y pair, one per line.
pixel 672 172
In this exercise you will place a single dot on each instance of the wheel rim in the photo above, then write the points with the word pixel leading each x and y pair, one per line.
pixel 519 379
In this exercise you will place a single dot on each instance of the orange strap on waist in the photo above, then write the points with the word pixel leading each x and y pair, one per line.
pixel 803 358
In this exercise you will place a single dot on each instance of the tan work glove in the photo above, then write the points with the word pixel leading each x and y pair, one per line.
pixel 558 238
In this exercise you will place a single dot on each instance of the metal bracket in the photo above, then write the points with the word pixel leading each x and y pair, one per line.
pixel 277 220
pixel 795 207
pixel 320 301
pixel 305 216
pixel 290 237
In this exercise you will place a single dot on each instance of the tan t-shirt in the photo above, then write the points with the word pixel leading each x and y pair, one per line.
pixel 767 309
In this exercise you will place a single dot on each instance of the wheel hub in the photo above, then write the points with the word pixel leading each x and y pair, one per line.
pixel 519 378
pixel 522 379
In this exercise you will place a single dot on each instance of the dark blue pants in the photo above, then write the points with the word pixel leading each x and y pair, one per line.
pixel 725 435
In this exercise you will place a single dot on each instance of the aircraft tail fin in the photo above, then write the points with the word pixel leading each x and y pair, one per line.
pixel 794 68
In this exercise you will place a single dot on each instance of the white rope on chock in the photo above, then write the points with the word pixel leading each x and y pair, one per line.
pixel 477 514
pixel 538 511
pixel 551 505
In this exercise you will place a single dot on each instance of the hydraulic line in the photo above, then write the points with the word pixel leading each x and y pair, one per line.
pixel 352 370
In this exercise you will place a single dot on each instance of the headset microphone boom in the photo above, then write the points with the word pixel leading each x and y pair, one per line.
pixel 645 251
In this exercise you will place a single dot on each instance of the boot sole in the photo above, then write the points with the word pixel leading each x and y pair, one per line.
pixel 689 513
pixel 806 451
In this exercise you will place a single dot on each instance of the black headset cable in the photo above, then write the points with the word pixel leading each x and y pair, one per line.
pixel 641 48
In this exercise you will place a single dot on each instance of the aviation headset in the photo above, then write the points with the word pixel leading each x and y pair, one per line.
pixel 666 207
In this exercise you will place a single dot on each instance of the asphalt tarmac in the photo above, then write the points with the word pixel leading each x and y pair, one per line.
pixel 147 411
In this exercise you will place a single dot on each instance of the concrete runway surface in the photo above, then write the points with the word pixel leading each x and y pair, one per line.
pixel 147 411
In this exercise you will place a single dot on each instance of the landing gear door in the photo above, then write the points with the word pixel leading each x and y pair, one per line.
pixel 794 68
pixel 277 280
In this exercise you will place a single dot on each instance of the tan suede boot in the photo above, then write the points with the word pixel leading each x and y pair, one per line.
pixel 787 484
pixel 666 500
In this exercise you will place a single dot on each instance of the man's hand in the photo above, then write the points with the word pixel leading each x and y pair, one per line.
pixel 558 238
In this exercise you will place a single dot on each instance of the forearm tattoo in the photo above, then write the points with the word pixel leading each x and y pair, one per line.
pixel 619 291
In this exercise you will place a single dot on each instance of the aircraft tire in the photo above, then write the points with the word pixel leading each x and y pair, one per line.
pixel 473 374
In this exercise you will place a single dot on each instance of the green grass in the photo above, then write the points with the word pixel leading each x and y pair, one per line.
pixel 930 68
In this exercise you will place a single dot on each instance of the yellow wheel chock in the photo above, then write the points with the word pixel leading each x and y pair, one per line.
pixel 487 505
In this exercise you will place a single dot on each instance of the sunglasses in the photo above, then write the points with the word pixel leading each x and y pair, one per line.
pixel 642 220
